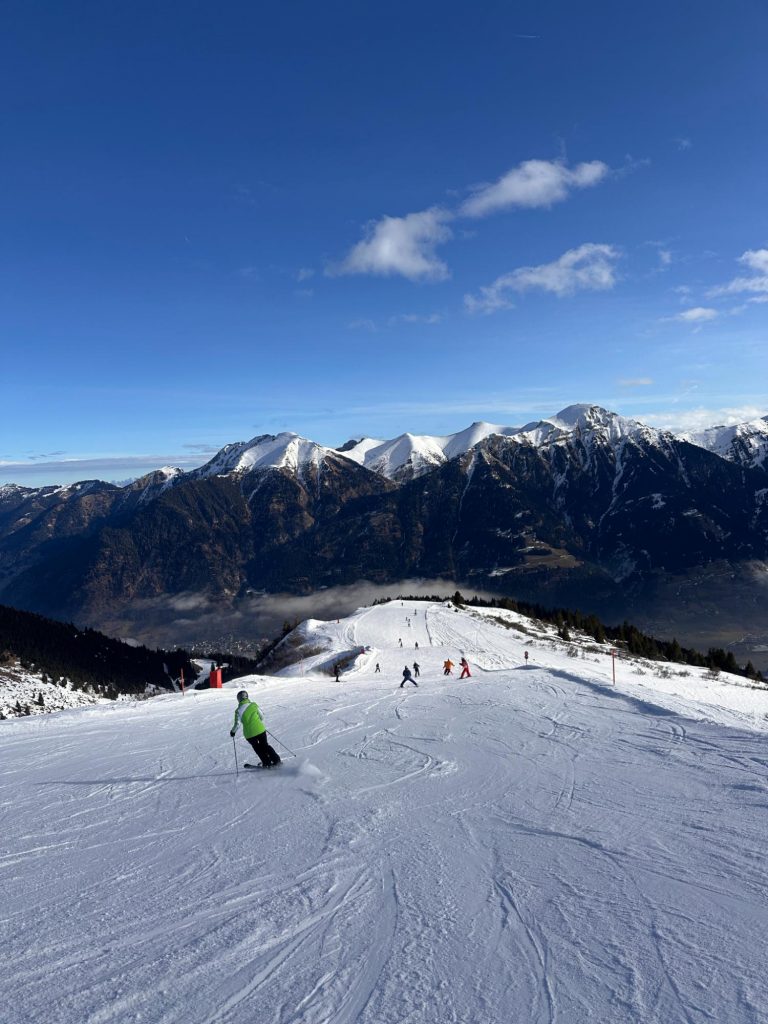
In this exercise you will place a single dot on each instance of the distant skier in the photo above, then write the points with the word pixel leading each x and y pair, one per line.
pixel 337 671
pixel 526 657
pixel 416 645
pixel 464 669
pixel 400 641
pixel 416 669
pixel 377 669
pixel 447 666
pixel 254 730
pixel 407 678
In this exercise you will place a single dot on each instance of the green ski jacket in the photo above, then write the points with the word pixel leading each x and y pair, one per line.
pixel 249 715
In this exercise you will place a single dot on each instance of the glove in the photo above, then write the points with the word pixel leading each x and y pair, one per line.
pixel 231 732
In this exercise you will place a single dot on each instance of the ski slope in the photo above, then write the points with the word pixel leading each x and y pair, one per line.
pixel 529 845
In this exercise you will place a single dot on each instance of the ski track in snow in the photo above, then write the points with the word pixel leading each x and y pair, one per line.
pixel 525 845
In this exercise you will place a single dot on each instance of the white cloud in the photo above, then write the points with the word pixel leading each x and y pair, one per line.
pixel 361 324
pixel 304 273
pixel 701 418
pixel 532 183
pixel 416 318
pixel 99 467
pixel 753 300
pixel 635 382
pixel 406 246
pixel 492 298
pixel 696 315
pixel 589 267
pixel 401 245
pixel 665 257
pixel 755 260
pixel 683 144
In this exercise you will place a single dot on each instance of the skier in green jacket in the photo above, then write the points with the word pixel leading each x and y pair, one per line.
pixel 254 729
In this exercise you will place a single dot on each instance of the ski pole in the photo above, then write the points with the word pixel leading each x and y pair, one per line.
pixel 234 747
pixel 272 735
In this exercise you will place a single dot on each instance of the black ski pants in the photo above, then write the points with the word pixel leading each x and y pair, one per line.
pixel 263 749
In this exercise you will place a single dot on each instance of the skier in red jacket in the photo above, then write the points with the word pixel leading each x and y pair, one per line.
pixel 464 669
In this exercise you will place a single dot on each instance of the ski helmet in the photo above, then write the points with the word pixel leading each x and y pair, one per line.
pixel 243 695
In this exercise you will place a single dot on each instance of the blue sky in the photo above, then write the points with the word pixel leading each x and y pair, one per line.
pixel 345 219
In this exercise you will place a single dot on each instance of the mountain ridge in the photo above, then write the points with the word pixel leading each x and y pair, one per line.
pixel 392 458
pixel 583 509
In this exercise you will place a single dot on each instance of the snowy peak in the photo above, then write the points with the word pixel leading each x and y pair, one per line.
pixel 461 442
pixel 585 420
pixel 402 458
pixel 742 443
pixel 413 455
pixel 152 484
pixel 157 478
pixel 268 451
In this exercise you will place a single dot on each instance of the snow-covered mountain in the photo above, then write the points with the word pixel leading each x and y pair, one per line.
pixel 413 455
pixel 743 443
pixel 531 844
pixel 586 422
pixel 567 509
pixel 267 451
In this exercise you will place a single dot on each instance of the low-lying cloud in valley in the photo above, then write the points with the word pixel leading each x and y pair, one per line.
pixel 193 619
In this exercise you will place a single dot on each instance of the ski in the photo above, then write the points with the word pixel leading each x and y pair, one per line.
pixel 269 767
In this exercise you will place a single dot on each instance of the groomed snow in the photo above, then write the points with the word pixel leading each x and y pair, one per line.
pixel 528 845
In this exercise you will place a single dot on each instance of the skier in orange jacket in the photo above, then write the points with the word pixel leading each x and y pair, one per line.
pixel 447 666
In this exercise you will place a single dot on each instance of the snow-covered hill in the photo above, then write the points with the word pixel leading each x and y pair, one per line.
pixel 530 844
pixel 27 693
